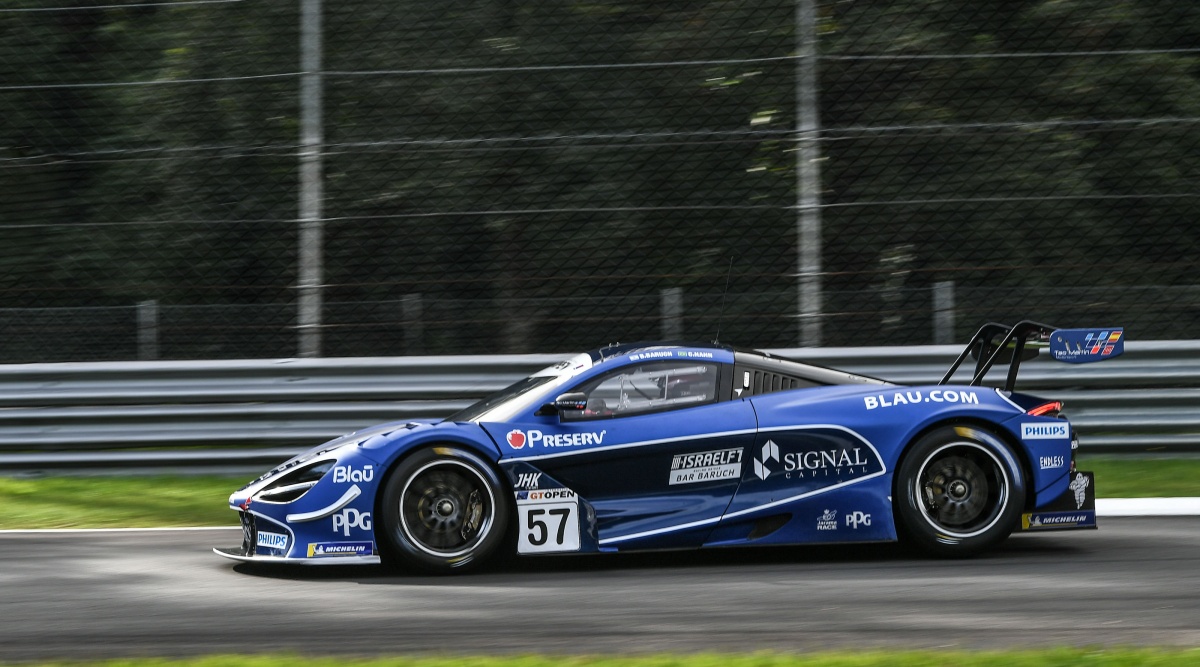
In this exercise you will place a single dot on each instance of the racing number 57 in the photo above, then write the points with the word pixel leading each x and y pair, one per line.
pixel 548 527
pixel 538 532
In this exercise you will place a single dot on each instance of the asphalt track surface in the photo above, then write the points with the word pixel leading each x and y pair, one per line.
pixel 163 593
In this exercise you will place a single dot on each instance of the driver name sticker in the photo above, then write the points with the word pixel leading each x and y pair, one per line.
pixel 548 521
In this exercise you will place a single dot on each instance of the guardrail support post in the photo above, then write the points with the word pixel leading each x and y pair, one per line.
pixel 147 330
pixel 943 312
pixel 671 313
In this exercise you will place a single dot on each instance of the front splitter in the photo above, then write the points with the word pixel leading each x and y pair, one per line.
pixel 236 554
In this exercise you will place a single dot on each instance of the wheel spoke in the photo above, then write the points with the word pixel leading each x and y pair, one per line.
pixel 443 509
pixel 957 492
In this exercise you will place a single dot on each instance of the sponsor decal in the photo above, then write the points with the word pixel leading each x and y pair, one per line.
pixel 706 466
pixel 1051 462
pixel 916 396
pixel 534 438
pixel 347 474
pixel 1046 520
pixel 351 518
pixel 546 495
pixel 1079 486
pixel 323 549
pixel 856 519
pixel 516 439
pixel 1044 431
pixel 1083 345
pixel 816 462
pixel 527 480
pixel 769 453
pixel 272 540
pixel 827 521
pixel 835 462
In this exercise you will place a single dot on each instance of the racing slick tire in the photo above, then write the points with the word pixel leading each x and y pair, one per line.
pixel 959 490
pixel 443 510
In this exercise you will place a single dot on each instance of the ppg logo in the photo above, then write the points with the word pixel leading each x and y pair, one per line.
pixel 856 519
pixel 350 518
pixel 343 474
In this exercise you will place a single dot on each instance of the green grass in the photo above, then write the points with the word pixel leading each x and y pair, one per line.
pixel 1122 477
pixel 140 502
pixel 1120 657
pixel 117 502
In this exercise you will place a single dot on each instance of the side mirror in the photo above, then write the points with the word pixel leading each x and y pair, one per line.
pixel 572 400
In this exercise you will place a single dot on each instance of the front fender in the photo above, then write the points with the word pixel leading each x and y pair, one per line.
pixel 391 447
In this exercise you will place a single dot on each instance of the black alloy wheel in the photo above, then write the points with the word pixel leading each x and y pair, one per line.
pixel 959 490
pixel 444 510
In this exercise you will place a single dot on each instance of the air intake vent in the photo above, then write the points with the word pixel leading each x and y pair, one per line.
pixel 763 382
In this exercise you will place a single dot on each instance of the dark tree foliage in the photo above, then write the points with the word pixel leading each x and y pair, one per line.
pixel 519 176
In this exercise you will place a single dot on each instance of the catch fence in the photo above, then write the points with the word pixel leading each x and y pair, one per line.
pixel 239 179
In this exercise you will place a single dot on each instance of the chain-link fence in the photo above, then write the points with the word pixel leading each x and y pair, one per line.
pixel 519 175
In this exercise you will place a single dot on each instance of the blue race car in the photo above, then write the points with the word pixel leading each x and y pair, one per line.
pixel 673 446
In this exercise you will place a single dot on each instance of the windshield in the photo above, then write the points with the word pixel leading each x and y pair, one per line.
pixel 482 406
pixel 505 403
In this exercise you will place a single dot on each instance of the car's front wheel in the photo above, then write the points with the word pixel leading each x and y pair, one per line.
pixel 443 511
pixel 959 490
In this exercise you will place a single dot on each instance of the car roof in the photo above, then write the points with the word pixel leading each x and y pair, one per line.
pixel 742 357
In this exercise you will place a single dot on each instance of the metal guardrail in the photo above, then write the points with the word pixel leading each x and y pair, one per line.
pixel 243 415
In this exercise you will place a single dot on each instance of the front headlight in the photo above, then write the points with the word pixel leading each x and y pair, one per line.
pixel 291 486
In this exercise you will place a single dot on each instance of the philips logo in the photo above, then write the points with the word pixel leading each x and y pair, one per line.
pixel 271 540
pixel 1045 431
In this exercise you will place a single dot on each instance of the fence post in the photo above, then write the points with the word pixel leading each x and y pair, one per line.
pixel 808 177
pixel 147 330
pixel 311 272
pixel 414 328
pixel 671 313
pixel 943 312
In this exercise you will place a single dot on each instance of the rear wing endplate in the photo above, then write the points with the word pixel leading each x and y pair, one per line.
pixel 996 342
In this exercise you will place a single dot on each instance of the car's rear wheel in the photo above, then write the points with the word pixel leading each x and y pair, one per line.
pixel 443 511
pixel 959 490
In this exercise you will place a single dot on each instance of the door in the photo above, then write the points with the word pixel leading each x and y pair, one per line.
pixel 655 451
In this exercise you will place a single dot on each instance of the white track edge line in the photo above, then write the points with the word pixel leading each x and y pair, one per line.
pixel 116 530
pixel 1114 507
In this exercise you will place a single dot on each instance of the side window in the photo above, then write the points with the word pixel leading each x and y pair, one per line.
pixel 649 387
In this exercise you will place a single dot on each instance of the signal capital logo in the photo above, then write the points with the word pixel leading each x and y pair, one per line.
pixel 770 452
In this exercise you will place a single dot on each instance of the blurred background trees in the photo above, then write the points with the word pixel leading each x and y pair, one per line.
pixel 510 175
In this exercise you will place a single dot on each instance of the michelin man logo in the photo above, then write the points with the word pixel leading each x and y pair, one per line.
pixel 1079 486
pixel 770 452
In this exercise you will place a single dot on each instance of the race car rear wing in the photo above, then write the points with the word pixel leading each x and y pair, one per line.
pixel 1000 342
